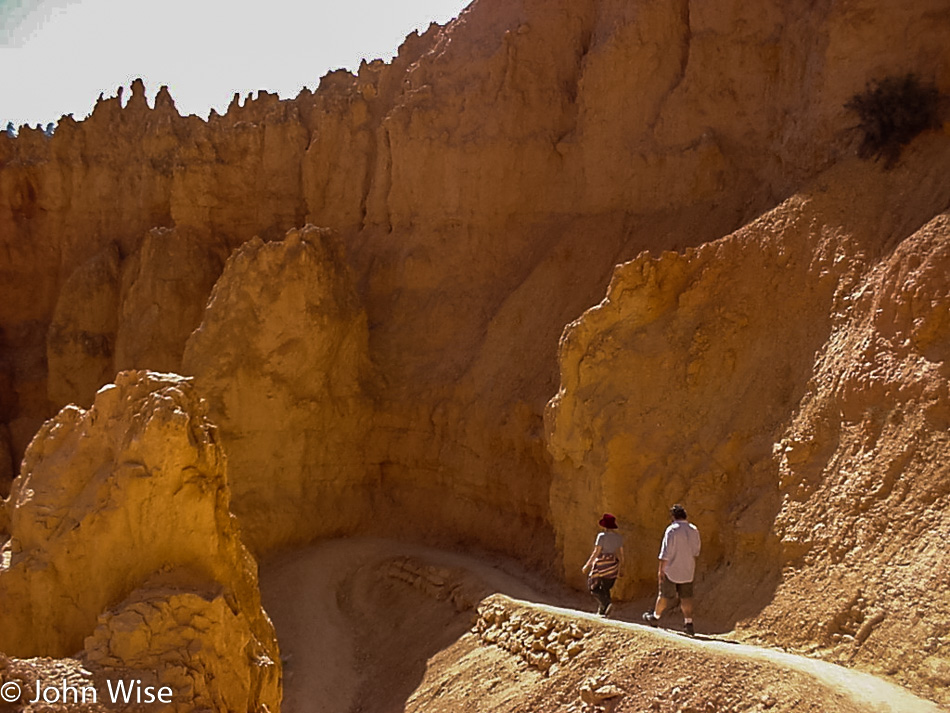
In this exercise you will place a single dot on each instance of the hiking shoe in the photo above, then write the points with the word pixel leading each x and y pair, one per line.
pixel 650 618
pixel 689 629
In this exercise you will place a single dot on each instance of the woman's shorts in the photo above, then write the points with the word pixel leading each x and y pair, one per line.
pixel 672 590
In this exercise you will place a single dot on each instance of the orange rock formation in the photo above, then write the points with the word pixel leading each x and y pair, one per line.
pixel 283 350
pixel 787 381
pixel 122 547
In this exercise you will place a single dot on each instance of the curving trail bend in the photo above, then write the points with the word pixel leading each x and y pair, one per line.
pixel 379 626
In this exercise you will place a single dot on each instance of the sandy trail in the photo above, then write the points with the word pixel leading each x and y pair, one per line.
pixel 307 593
pixel 869 692
pixel 354 641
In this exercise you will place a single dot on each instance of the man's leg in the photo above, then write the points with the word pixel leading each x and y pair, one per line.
pixel 686 604
pixel 667 593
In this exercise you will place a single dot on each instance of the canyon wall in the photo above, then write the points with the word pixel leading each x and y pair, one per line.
pixel 389 374
pixel 281 357
pixel 788 384
pixel 484 183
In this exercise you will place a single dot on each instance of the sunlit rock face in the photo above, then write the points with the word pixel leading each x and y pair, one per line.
pixel 485 184
pixel 122 547
pixel 789 385
pixel 281 356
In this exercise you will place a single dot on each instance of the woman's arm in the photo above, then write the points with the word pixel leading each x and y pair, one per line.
pixel 590 560
pixel 620 558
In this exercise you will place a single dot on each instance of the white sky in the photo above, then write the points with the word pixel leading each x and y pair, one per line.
pixel 57 56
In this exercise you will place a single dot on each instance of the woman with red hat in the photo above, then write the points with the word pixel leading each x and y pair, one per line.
pixel 604 563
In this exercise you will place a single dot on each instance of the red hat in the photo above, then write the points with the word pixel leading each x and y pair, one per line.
pixel 608 521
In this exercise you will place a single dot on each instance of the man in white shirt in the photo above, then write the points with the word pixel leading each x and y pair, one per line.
pixel 678 555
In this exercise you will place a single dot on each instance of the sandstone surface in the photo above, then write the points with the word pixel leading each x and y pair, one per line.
pixel 7 470
pixel 135 312
pixel 80 344
pixel 281 356
pixel 122 550
pixel 788 385
pixel 485 184
pixel 165 287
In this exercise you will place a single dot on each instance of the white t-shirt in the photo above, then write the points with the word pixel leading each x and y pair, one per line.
pixel 609 542
pixel 679 550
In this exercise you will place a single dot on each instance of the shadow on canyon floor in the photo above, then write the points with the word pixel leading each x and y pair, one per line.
pixel 358 619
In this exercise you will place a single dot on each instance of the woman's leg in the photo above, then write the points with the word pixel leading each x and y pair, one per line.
pixel 593 584
pixel 604 594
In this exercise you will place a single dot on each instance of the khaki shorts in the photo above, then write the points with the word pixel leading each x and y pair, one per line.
pixel 672 590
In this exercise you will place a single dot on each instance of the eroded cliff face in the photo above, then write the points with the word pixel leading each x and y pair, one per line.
pixel 787 384
pixel 482 188
pixel 863 474
pixel 282 358
pixel 485 183
pixel 118 313
pixel 122 550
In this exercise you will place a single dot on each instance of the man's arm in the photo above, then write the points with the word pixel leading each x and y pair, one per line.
pixel 664 553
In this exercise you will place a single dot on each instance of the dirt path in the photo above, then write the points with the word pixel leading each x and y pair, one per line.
pixel 869 692
pixel 355 637
pixel 307 594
